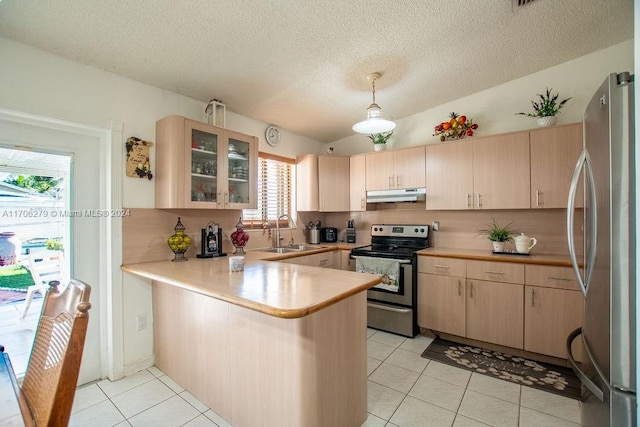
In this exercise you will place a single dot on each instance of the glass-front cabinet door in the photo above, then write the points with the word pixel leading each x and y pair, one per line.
pixel 241 171
pixel 223 168
pixel 200 166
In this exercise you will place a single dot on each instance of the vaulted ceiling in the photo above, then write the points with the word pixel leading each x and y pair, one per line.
pixel 302 64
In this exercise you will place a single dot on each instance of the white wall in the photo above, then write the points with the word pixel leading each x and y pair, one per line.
pixel 494 109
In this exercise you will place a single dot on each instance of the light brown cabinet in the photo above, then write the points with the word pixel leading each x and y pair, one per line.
pixel 553 308
pixel 317 181
pixel 501 172
pixel 323 259
pixel 442 294
pixel 554 152
pixel 333 183
pixel 204 167
pixel 357 184
pixel 396 169
pixel 484 173
pixel 495 313
pixel 449 176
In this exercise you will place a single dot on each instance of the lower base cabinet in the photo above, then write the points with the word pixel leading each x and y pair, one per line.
pixel 495 313
pixel 533 308
pixel 441 303
pixel 323 259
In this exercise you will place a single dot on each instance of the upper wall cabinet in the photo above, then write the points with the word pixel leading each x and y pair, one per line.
pixel 204 167
pixel 483 173
pixel 554 152
pixel 501 177
pixel 322 183
pixel 396 169
pixel 357 184
pixel 450 175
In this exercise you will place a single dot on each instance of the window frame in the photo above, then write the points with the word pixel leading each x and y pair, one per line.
pixel 255 224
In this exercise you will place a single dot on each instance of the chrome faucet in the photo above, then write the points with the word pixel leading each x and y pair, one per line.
pixel 276 242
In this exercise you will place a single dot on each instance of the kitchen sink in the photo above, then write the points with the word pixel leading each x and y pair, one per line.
pixel 290 249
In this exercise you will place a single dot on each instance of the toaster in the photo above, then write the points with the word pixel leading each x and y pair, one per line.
pixel 328 234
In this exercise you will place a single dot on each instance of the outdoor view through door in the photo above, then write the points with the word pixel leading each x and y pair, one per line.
pixel 34 241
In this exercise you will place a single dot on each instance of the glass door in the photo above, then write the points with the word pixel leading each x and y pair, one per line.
pixel 241 171
pixel 203 184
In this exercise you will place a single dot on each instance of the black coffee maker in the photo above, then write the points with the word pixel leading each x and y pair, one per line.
pixel 211 241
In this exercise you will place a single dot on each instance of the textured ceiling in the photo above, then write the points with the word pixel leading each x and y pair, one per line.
pixel 302 64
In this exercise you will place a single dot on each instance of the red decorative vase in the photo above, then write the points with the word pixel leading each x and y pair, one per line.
pixel 239 238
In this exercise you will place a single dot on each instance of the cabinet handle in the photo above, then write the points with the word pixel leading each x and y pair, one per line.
pixel 563 279
pixel 459 288
pixel 469 200
pixel 494 272
pixel 471 290
pixel 397 181
pixel 219 201
pixel 533 297
pixel 323 204
pixel 323 262
pixel 479 200
pixel 390 181
pixel 441 266
pixel 538 198
pixel 362 203
pixel 226 198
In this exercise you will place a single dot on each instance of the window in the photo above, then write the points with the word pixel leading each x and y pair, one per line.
pixel 275 186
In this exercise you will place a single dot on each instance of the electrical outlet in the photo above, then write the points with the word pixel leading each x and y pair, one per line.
pixel 435 225
pixel 141 322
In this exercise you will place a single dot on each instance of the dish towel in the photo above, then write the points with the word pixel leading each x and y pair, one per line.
pixel 387 269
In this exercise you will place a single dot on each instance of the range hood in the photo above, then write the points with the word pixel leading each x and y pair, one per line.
pixel 390 196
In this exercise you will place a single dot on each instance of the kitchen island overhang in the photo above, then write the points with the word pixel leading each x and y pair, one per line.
pixel 278 344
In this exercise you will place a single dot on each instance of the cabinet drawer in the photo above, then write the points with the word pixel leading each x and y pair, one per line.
pixel 495 271
pixel 442 266
pixel 551 277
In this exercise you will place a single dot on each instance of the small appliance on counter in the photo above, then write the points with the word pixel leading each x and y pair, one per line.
pixel 211 241
pixel 328 234
pixel 313 230
pixel 351 232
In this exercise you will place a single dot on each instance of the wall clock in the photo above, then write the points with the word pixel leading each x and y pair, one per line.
pixel 272 135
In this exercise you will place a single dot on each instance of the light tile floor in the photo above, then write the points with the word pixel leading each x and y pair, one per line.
pixel 404 389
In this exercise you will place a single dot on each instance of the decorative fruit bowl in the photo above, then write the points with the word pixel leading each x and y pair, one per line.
pixel 179 242
pixel 457 127
pixel 239 238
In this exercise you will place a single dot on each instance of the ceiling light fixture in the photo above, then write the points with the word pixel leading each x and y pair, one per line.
pixel 374 122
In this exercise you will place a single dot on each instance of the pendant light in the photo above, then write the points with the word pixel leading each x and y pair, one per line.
pixel 374 123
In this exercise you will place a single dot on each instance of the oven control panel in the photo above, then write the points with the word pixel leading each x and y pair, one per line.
pixel 400 230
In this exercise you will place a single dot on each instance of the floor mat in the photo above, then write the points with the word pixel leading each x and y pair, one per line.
pixel 543 376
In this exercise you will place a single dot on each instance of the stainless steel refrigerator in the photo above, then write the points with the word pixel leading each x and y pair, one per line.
pixel 605 267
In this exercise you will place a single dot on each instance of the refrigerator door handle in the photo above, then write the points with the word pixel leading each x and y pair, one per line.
pixel 583 162
pixel 593 388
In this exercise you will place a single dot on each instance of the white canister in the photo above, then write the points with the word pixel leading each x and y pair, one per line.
pixel 236 263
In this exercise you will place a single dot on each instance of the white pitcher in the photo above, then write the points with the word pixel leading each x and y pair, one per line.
pixel 524 243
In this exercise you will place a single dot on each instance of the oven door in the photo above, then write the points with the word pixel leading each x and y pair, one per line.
pixel 404 293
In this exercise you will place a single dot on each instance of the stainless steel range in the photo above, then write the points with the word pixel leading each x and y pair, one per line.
pixel 392 304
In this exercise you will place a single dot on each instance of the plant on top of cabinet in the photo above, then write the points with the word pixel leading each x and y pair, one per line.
pixel 380 140
pixel 457 127
pixel 547 109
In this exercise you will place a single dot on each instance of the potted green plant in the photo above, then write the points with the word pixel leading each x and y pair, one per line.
pixel 380 140
pixel 498 234
pixel 546 109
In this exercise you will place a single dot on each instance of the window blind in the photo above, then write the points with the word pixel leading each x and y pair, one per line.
pixel 274 193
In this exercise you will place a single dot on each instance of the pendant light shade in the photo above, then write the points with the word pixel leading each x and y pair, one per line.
pixel 374 122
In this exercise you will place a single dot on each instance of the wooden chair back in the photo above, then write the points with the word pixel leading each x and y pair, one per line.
pixel 52 372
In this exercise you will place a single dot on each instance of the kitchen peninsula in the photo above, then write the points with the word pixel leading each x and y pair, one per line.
pixel 276 344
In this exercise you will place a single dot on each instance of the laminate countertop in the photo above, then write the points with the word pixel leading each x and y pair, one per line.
pixel 482 255
pixel 273 288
